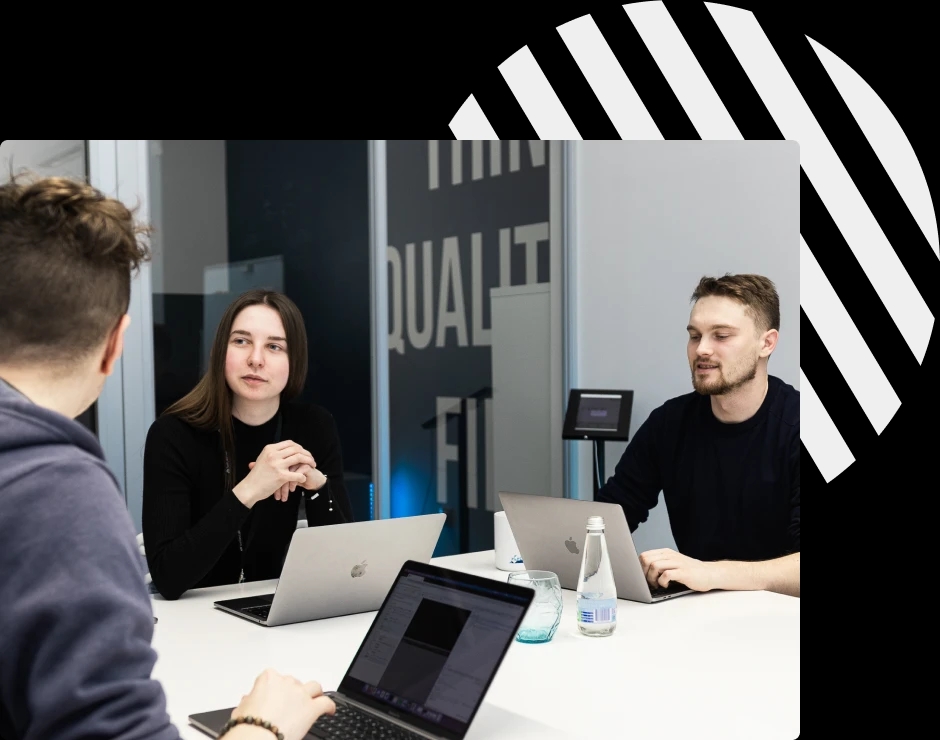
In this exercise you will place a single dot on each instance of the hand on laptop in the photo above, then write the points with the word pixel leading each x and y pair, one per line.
pixel 272 474
pixel 286 703
pixel 665 566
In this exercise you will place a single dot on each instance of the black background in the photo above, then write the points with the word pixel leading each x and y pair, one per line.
pixel 385 71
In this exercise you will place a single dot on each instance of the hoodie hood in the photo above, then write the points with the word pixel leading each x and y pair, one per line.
pixel 24 425
pixel 32 436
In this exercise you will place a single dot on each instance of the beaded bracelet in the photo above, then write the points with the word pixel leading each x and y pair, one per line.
pixel 250 721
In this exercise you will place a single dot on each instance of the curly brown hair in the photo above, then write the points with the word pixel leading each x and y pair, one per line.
pixel 67 252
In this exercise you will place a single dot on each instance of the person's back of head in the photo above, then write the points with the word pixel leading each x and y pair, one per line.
pixel 67 253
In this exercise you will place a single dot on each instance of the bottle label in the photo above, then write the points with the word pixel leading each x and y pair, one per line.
pixel 597 611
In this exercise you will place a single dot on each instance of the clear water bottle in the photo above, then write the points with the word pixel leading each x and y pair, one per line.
pixel 597 594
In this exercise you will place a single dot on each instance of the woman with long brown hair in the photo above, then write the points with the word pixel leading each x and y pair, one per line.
pixel 227 466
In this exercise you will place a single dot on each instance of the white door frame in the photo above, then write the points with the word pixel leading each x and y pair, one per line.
pixel 378 273
pixel 569 311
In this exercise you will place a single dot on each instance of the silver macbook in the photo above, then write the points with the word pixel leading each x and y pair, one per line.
pixel 340 569
pixel 550 533
pixel 425 664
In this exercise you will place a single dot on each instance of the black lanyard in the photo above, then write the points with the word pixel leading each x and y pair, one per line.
pixel 241 548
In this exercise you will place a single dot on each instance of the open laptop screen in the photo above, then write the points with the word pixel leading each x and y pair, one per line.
pixel 435 646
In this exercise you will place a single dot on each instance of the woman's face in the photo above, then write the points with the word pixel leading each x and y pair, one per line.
pixel 256 361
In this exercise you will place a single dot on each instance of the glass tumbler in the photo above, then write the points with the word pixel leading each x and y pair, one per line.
pixel 544 614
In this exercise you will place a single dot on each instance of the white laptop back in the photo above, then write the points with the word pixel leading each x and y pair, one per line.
pixel 550 533
pixel 341 569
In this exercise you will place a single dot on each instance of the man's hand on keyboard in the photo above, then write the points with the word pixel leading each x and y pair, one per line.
pixel 666 566
pixel 286 703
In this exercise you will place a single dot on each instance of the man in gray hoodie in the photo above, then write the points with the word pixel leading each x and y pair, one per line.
pixel 75 614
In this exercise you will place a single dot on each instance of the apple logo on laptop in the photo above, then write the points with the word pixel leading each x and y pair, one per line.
pixel 358 570
pixel 571 545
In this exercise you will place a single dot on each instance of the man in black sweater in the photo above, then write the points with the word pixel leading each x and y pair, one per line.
pixel 725 456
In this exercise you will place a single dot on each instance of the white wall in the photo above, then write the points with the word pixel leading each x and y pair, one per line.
pixel 63 157
pixel 523 446
pixel 651 218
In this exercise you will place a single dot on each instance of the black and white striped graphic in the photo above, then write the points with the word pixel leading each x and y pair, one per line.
pixel 680 70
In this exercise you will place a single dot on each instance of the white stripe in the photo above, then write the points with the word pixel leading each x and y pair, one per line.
pixel 608 79
pixel 471 123
pixel 823 167
pixel 823 441
pixel 846 346
pixel 886 137
pixel 536 97
pixel 682 70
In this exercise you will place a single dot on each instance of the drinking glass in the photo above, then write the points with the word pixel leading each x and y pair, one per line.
pixel 544 614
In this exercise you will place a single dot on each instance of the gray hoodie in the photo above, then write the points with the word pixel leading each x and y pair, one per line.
pixel 75 614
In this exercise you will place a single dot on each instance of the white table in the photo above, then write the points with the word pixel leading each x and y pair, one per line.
pixel 721 665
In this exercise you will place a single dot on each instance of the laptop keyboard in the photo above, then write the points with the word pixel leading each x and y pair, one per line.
pixel 257 611
pixel 350 723
pixel 672 588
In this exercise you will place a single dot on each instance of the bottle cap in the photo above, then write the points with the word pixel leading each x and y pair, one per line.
pixel 595 522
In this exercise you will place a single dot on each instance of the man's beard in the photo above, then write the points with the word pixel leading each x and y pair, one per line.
pixel 722 385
